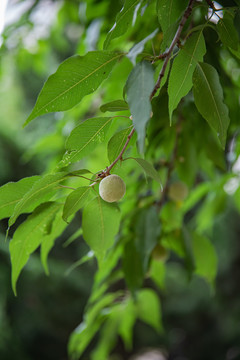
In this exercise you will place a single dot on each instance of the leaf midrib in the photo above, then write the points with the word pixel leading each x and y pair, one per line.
pixel 13 217
pixel 76 202
pixel 211 93
pixel 188 68
pixel 91 139
pixel 76 84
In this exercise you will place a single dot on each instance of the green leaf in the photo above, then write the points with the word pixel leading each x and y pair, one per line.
pixel 208 96
pixel 41 191
pixel 227 31
pixel 123 21
pixel 205 258
pixel 138 48
pixel 169 11
pixel 12 193
pixel 76 77
pixel 29 236
pixel 148 169
pixel 149 310
pixel 139 86
pixel 75 201
pixel 147 232
pixel 116 105
pixel 58 226
pixel 132 266
pixel 93 319
pixel 128 318
pixel 157 273
pixel 84 138
pixel 116 143
pixel 100 223
pixel 180 80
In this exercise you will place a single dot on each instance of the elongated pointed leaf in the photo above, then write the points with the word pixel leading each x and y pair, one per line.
pixel 139 47
pixel 116 143
pixel 41 191
pixel 205 258
pixel 149 309
pixel 29 236
pixel 84 138
pixel 116 105
pixel 139 86
pixel 58 226
pixel 76 77
pixel 76 200
pixel 123 21
pixel 227 31
pixel 100 224
pixel 169 11
pixel 132 266
pixel 147 233
pixel 180 80
pixel 12 193
pixel 208 96
pixel 148 169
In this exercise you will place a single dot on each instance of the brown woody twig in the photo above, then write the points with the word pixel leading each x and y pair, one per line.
pixel 166 56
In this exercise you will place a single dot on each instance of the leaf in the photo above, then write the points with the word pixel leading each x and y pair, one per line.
pixel 123 21
pixel 139 86
pixel 41 191
pixel 227 31
pixel 132 266
pixel 75 201
pixel 148 169
pixel 116 143
pixel 208 96
pixel 76 77
pixel 147 232
pixel 58 226
pixel 169 11
pixel 12 193
pixel 205 257
pixel 100 223
pixel 29 236
pixel 138 48
pixel 79 262
pixel 128 318
pixel 116 105
pixel 84 138
pixel 149 310
pixel 180 80
pixel 157 273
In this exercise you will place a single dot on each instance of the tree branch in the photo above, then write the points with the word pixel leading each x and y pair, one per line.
pixel 119 157
pixel 168 53
pixel 167 56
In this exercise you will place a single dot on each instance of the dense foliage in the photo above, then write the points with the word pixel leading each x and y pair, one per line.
pixel 149 91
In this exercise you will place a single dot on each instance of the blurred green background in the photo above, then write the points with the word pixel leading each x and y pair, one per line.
pixel 200 323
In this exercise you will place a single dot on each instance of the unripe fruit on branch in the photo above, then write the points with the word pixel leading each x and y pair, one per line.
pixel 159 253
pixel 178 191
pixel 112 188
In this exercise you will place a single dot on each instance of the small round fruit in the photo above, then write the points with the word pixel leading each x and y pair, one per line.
pixel 178 191
pixel 159 253
pixel 112 188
